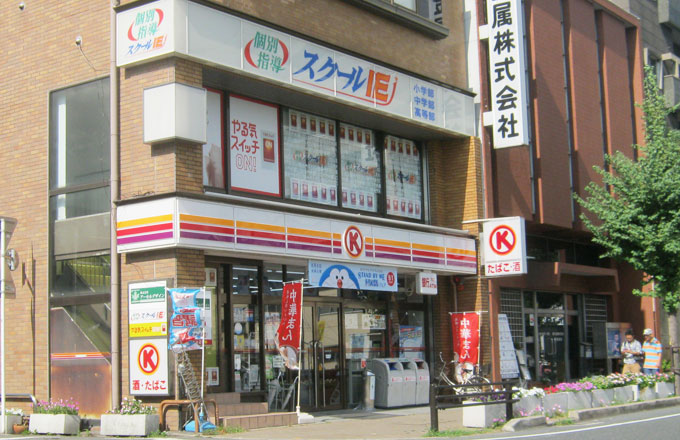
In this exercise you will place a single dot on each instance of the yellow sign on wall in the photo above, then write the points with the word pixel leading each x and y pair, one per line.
pixel 148 329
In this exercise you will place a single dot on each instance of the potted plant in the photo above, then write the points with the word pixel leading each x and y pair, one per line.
pixel 646 384
pixel 482 416
pixel 530 401
pixel 132 418
pixel 603 393
pixel 575 395
pixel 13 416
pixel 664 385
pixel 55 417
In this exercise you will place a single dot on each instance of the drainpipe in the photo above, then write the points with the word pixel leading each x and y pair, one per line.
pixel 114 180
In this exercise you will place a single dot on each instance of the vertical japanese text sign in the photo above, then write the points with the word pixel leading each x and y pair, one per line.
pixel 507 65
pixel 288 334
pixel 465 326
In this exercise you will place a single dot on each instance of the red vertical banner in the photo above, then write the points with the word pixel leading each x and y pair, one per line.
pixel 465 327
pixel 288 334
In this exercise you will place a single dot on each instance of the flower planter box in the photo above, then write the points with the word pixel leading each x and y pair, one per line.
pixel 578 400
pixel 138 425
pixel 664 389
pixel 10 421
pixel 527 406
pixel 602 397
pixel 482 416
pixel 550 401
pixel 63 424
pixel 648 393
pixel 626 394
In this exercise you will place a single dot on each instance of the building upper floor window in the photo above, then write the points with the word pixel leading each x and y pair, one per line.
pixel 314 159
pixel 410 4
pixel 425 16
pixel 79 135
pixel 79 167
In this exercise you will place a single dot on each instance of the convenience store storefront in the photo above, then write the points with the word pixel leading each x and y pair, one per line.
pixel 251 252
pixel 311 157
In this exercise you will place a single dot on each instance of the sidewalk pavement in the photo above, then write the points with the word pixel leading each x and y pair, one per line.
pixel 396 424
pixel 413 423
pixel 402 423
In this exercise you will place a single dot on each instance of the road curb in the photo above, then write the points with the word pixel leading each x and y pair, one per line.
pixel 522 423
pixel 593 413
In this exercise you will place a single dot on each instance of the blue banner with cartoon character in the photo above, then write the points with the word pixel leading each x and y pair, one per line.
pixel 186 323
pixel 352 276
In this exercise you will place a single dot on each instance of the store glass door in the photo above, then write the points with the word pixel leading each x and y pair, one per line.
pixel 321 384
pixel 551 338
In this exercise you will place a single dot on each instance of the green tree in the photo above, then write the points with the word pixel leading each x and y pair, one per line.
pixel 635 210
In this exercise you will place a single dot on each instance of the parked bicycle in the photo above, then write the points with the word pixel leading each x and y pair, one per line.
pixel 454 373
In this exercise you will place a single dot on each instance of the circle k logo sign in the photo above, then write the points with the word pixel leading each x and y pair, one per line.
pixel 353 242
pixel 148 359
pixel 502 240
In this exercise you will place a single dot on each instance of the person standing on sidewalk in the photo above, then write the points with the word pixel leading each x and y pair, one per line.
pixel 631 349
pixel 652 350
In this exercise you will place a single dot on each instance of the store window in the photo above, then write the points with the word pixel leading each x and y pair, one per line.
pixel 246 328
pixel 272 281
pixel 412 334
pixel 310 157
pixel 244 280
pixel 323 162
pixel 297 273
pixel 360 166
pixel 246 348
pixel 404 189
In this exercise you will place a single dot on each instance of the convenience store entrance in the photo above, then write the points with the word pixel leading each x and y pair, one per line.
pixel 321 385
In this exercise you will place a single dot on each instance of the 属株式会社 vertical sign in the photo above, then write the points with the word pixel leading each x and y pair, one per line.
pixel 148 333
pixel 507 73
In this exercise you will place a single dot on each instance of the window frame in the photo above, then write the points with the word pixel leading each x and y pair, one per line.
pixel 404 16
pixel 378 143
pixel 54 190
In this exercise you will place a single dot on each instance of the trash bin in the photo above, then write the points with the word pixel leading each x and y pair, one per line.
pixel 389 380
pixel 409 394
pixel 369 390
pixel 422 382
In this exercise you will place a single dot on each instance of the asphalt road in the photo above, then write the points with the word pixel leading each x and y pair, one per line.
pixel 655 424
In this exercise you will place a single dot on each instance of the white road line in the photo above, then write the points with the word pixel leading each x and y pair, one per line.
pixel 592 428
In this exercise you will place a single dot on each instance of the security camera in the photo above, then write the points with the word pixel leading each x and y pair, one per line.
pixel 79 40
pixel 22 5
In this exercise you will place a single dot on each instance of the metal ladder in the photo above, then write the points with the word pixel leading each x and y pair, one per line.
pixel 192 387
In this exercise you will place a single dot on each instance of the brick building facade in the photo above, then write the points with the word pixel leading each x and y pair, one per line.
pixel 56 132
pixel 583 76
